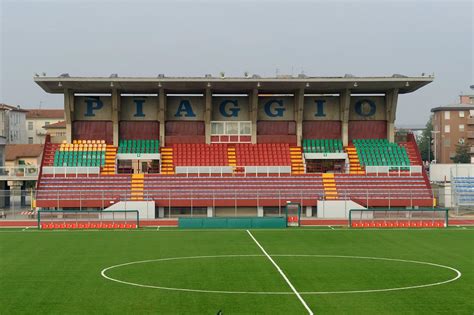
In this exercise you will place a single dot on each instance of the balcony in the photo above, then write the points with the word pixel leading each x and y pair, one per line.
pixel 471 150
pixel 470 134
pixel 470 121
pixel 19 173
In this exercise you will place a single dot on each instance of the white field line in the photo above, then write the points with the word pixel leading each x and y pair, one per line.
pixel 33 230
pixel 282 274
pixel 103 273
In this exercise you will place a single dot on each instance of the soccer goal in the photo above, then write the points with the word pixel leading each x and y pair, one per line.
pixel 75 219
pixel 398 218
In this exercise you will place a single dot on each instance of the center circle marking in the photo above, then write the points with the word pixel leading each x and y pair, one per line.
pixel 104 274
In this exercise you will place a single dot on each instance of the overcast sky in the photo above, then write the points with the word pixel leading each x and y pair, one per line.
pixel 192 38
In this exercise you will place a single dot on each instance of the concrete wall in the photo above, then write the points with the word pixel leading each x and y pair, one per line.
pixel 206 108
pixel 442 172
pixel 230 108
pixel 367 108
pixel 139 108
pixel 321 108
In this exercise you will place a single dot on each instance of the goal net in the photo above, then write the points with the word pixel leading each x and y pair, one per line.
pixel 75 219
pixel 398 218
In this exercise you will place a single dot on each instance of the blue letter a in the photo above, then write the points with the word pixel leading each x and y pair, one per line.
pixel 185 106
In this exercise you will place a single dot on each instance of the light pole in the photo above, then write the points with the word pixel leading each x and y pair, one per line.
pixel 435 153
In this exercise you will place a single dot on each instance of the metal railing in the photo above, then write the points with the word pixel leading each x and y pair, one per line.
pixel 394 170
pixel 64 171
pixel 246 171
pixel 17 204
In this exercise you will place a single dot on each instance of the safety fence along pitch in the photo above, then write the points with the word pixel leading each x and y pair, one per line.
pixel 88 219
pixel 398 218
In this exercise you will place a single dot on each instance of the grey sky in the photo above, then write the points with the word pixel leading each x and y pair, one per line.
pixel 144 38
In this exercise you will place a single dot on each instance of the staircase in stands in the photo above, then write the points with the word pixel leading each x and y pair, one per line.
pixel 329 185
pixel 354 164
pixel 137 186
pixel 167 161
pixel 49 150
pixel 232 157
pixel 296 158
pixel 411 151
pixel 110 160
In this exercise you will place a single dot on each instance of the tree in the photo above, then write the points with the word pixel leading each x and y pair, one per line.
pixel 424 142
pixel 462 154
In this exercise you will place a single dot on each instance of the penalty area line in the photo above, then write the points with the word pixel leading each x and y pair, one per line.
pixel 282 274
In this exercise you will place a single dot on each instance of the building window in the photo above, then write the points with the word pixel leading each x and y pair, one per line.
pixel 30 125
pixel 30 140
pixel 446 115
pixel 461 113
pixel 461 127
pixel 447 128
pixel 447 142
pixel 471 113
pixel 46 123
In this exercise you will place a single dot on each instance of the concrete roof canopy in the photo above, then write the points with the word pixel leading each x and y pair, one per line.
pixel 311 85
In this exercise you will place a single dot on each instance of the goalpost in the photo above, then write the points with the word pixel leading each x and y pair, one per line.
pixel 88 219
pixel 398 218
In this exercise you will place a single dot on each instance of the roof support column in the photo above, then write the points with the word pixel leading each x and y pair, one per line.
pixel 345 101
pixel 253 109
pixel 391 100
pixel 115 115
pixel 207 114
pixel 299 103
pixel 162 114
pixel 69 112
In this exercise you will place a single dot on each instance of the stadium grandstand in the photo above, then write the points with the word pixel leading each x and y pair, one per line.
pixel 221 146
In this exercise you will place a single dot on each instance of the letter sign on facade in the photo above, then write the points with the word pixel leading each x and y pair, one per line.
pixel 365 108
pixel 231 111
pixel 274 111
pixel 139 108
pixel 92 104
pixel 185 108
pixel 320 108
pixel 92 108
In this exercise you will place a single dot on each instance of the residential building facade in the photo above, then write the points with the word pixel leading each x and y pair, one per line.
pixel 452 125
pixel 37 120
pixel 12 124
pixel 57 131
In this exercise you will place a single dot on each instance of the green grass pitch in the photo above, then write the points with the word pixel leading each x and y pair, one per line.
pixel 59 272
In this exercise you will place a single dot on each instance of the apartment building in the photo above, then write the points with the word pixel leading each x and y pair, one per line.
pixel 12 124
pixel 37 120
pixel 453 124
